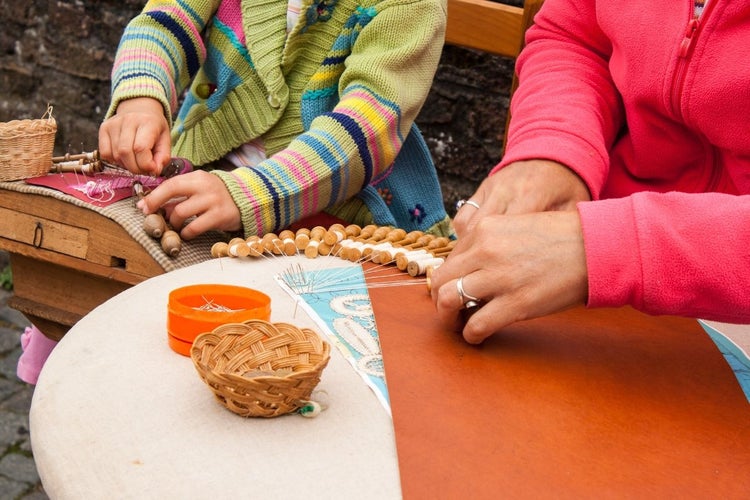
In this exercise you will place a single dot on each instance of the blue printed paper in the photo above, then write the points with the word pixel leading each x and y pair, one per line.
pixel 337 299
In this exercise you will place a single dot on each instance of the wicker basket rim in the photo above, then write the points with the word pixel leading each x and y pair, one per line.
pixel 325 355
pixel 308 332
pixel 318 367
pixel 23 127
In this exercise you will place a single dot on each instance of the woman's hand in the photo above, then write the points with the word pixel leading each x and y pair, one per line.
pixel 523 187
pixel 197 194
pixel 137 137
pixel 519 266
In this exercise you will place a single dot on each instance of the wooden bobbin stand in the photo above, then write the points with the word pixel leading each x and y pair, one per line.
pixel 415 252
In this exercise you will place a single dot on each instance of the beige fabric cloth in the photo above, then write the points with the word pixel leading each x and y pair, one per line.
pixel 117 414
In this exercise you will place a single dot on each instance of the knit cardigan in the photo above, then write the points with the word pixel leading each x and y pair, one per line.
pixel 333 101
pixel 650 107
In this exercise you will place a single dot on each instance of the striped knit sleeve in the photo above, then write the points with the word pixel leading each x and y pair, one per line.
pixel 160 51
pixel 382 84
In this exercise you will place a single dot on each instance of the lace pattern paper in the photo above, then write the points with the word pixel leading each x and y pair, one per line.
pixel 337 299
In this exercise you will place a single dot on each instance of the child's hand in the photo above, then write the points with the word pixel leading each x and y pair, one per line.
pixel 137 137
pixel 199 194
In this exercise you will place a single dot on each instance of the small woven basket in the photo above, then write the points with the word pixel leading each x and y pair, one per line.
pixel 26 147
pixel 260 369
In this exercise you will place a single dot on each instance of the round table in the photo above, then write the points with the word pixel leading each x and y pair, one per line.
pixel 118 414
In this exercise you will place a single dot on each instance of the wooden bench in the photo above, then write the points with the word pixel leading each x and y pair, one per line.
pixel 490 27
pixel 86 258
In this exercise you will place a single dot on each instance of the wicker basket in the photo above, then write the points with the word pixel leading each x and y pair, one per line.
pixel 260 369
pixel 26 147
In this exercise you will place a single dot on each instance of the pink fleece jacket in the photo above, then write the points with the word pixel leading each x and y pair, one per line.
pixel 651 107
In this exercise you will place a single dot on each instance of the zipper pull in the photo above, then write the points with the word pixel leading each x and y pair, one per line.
pixel 688 39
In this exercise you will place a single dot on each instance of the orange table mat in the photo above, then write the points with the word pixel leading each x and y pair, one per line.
pixel 586 403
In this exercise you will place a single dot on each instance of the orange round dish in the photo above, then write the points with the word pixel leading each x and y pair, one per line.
pixel 196 309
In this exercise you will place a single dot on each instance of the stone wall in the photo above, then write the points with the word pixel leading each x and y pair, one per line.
pixel 60 53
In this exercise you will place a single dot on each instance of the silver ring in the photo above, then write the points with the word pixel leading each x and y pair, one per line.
pixel 467 301
pixel 461 203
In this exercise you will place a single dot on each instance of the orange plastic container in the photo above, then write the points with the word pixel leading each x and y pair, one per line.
pixel 195 309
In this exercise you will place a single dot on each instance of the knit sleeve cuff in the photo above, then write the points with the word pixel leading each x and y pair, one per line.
pixel 258 214
pixel 119 96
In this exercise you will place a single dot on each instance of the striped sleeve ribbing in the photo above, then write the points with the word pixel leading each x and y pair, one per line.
pixel 160 51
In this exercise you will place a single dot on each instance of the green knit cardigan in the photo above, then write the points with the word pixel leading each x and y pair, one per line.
pixel 334 102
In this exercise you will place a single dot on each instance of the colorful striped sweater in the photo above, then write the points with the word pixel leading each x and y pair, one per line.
pixel 333 102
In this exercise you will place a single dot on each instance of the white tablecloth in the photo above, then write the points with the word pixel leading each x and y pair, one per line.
pixel 118 414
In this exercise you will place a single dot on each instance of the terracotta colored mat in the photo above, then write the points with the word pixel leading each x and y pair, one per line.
pixel 584 404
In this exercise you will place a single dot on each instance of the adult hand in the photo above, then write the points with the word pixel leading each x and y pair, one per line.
pixel 196 194
pixel 137 137
pixel 519 266
pixel 523 187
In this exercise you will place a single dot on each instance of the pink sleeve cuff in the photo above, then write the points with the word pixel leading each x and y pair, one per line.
pixel 613 257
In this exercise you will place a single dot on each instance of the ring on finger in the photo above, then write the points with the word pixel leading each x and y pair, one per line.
pixel 461 203
pixel 467 301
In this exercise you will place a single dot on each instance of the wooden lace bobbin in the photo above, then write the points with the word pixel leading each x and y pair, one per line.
pixel 444 251
pixel 170 240
pixel 238 247
pixel 361 247
pixel 409 238
pixel 403 258
pixel 382 253
pixel 302 238
pixel 171 243
pixel 388 254
pixel 373 252
pixel 393 234
pixel 334 234
pixel 357 250
pixel 288 244
pixel 256 245
pixel 420 242
pixel 316 237
pixel 354 252
pixel 154 225
pixel 350 232
pixel 337 248
pixel 220 249
pixel 419 246
pixel 271 243
pixel 418 267
pixel 435 257
pixel 367 232
pixel 82 163
pixel 324 249
pixel 337 233
pixel 87 157
pixel 408 252
pixel 365 250
pixel 77 166
pixel 380 233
